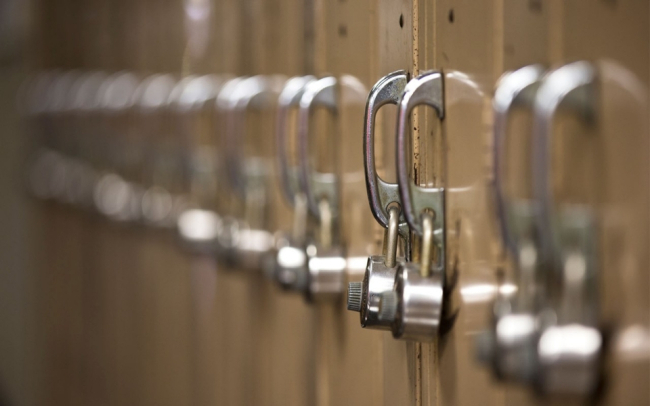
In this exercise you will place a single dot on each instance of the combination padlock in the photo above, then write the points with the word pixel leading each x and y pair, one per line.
pixel 326 262
pixel 414 307
pixel 290 268
pixel 199 223
pixel 509 346
pixel 364 297
pixel 547 336
pixel 570 349
pixel 244 239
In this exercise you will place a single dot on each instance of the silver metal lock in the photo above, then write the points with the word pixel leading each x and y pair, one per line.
pixel 364 297
pixel 327 261
pixel 414 306
pixel 245 242
pixel 570 347
pixel 199 223
pixel 547 335
pixel 509 347
pixel 290 265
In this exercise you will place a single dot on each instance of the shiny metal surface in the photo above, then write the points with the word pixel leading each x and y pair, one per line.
pixel 509 348
pixel 570 350
pixel 419 304
pixel 365 297
pixel 289 98
pixel 425 89
pixel 572 86
pixel 257 92
pixel 321 92
pixel 514 89
pixel 388 90
pixel 326 277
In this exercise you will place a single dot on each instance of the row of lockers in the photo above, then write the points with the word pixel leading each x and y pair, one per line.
pixel 476 227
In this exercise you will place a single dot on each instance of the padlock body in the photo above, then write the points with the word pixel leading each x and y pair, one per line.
pixel 326 273
pixel 291 268
pixel 419 303
pixel 378 279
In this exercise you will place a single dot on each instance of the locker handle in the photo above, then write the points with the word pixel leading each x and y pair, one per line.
pixel 426 89
pixel 321 92
pixel 289 98
pixel 259 92
pixel 514 89
pixel 381 194
pixel 572 87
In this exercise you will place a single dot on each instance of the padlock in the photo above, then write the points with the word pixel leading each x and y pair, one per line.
pixel 571 343
pixel 290 267
pixel 509 346
pixel 414 307
pixel 547 335
pixel 326 264
pixel 327 261
pixel 364 297
pixel 244 242
pixel 193 105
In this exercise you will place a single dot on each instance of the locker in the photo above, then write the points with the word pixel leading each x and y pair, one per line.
pixel 194 243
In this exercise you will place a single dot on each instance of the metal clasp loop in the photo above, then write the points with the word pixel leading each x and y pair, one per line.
pixel 381 194
pixel 256 91
pixel 571 86
pixel 316 185
pixel 289 98
pixel 514 89
pixel 426 89
pixel 390 240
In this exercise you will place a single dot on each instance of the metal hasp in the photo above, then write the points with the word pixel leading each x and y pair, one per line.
pixel 244 242
pixel 546 336
pixel 198 224
pixel 570 347
pixel 291 260
pixel 414 306
pixel 326 257
pixel 509 346
pixel 364 297
pixel 115 197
